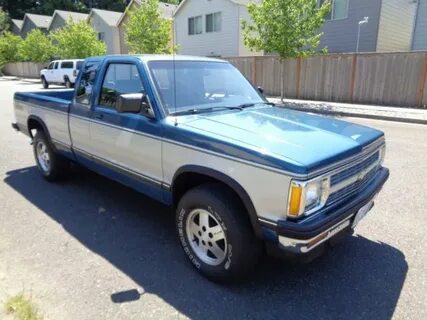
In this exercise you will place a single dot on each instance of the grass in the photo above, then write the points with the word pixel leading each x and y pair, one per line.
pixel 22 308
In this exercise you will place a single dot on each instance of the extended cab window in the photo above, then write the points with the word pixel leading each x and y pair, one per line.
pixel 67 65
pixel 87 81
pixel 120 78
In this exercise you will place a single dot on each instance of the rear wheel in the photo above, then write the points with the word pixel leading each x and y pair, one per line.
pixel 216 234
pixel 68 83
pixel 45 83
pixel 51 165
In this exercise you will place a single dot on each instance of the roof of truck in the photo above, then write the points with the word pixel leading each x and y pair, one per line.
pixel 163 57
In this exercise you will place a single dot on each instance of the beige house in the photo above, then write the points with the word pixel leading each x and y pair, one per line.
pixel 16 26
pixel 166 10
pixel 34 21
pixel 105 24
pixel 60 19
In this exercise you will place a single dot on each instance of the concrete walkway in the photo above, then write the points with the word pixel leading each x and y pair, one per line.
pixel 410 115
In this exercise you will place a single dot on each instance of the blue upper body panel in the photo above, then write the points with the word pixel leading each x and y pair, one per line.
pixel 273 136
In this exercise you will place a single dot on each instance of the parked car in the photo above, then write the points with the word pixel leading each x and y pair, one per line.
pixel 62 72
pixel 243 175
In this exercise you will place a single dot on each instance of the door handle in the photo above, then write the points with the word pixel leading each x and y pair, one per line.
pixel 99 116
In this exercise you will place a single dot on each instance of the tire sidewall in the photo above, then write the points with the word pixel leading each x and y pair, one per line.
pixel 201 202
pixel 40 138
pixel 45 83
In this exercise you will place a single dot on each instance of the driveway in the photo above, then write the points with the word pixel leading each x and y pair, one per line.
pixel 89 248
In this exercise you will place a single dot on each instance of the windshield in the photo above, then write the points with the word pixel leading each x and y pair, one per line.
pixel 201 85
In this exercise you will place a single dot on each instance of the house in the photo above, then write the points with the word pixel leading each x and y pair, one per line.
pixel 105 24
pixel 212 27
pixel 34 21
pixel 419 41
pixel 389 28
pixel 60 19
pixel 16 26
pixel 166 10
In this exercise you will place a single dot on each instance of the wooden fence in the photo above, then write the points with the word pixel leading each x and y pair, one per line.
pixel 395 79
pixel 24 69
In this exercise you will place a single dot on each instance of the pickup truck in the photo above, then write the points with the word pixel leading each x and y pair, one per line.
pixel 62 72
pixel 244 176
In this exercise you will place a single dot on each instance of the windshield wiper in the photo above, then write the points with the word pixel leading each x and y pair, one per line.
pixel 203 110
pixel 252 104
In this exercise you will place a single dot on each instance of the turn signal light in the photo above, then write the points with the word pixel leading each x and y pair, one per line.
pixel 295 201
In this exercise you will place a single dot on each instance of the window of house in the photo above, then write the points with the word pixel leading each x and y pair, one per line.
pixel 339 9
pixel 84 89
pixel 195 25
pixel 213 22
pixel 101 36
pixel 120 78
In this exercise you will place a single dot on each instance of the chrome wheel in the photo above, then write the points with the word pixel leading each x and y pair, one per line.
pixel 206 237
pixel 43 157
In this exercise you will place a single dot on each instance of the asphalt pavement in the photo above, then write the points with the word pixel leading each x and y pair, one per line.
pixel 90 248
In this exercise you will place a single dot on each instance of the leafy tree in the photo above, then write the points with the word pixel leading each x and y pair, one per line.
pixel 4 21
pixel 36 47
pixel 9 46
pixel 77 40
pixel 289 28
pixel 17 8
pixel 49 6
pixel 146 31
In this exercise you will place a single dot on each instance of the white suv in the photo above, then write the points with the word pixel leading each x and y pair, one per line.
pixel 62 72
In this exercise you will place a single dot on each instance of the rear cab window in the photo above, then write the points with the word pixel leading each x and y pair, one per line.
pixel 67 64
pixel 87 81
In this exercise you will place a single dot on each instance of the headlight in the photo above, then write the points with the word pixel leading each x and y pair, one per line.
pixel 307 197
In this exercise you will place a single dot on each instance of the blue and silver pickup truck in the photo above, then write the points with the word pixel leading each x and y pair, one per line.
pixel 244 176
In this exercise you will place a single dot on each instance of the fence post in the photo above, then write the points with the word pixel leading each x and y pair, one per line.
pixel 353 76
pixel 422 82
pixel 254 70
pixel 298 77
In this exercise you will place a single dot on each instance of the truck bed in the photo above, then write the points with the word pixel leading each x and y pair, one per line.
pixel 51 106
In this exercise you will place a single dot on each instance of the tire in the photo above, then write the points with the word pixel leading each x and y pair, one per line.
pixel 45 83
pixel 68 83
pixel 51 166
pixel 233 258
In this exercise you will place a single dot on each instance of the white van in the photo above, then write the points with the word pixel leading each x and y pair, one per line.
pixel 62 72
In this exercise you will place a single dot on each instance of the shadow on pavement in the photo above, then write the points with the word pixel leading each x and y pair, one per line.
pixel 360 279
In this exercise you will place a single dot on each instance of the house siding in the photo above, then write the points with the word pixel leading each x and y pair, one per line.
pixel 57 23
pixel 420 33
pixel 15 30
pixel 112 39
pixel 341 35
pixel 396 25
pixel 224 43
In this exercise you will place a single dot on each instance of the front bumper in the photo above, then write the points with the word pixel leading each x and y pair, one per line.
pixel 311 235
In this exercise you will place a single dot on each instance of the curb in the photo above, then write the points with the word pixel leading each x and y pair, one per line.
pixel 357 115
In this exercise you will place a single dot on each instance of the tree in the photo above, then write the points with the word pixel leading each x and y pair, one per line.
pixel 4 21
pixel 36 47
pixel 9 46
pixel 289 28
pixel 77 40
pixel 146 31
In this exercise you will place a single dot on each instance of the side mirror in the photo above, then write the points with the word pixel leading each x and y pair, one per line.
pixel 135 103
pixel 261 90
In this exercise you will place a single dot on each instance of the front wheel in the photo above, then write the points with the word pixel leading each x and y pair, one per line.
pixel 51 165
pixel 216 234
pixel 45 83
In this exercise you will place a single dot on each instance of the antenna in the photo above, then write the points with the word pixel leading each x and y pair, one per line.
pixel 174 66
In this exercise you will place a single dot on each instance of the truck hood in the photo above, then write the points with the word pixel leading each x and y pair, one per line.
pixel 288 139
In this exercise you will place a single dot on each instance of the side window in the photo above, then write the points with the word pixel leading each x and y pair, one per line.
pixel 87 81
pixel 67 64
pixel 50 67
pixel 120 78
pixel 56 65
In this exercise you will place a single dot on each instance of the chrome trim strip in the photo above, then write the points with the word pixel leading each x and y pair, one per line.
pixel 266 221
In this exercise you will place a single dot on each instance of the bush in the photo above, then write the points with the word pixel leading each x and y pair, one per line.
pixel 77 40
pixel 36 47
pixel 9 47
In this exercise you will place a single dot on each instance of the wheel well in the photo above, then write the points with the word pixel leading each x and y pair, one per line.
pixel 188 180
pixel 34 124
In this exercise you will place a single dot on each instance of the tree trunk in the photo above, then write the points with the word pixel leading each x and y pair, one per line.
pixel 282 80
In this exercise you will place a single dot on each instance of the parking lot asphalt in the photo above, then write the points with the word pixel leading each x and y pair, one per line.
pixel 90 248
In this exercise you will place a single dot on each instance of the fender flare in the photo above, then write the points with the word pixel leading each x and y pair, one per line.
pixel 230 182
pixel 42 124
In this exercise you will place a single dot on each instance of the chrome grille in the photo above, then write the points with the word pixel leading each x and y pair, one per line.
pixel 351 172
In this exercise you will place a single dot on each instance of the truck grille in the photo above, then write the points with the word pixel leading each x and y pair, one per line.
pixel 351 172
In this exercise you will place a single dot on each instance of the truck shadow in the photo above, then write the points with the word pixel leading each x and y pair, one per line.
pixel 360 279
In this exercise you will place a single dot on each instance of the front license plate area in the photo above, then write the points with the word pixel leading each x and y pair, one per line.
pixel 362 213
